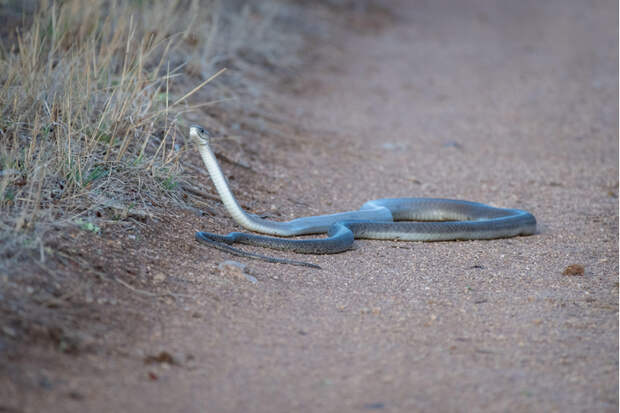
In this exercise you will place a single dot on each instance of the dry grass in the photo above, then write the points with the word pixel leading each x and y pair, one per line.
pixel 92 99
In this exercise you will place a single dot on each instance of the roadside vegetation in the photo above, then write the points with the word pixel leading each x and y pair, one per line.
pixel 94 103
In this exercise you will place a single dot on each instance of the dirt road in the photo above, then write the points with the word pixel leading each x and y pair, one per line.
pixel 512 104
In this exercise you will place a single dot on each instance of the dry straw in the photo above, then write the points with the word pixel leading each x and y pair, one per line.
pixel 93 94
pixel 85 106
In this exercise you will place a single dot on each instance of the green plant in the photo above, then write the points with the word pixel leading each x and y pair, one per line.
pixel 87 226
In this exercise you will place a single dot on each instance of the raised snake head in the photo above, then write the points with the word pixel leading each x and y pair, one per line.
pixel 200 135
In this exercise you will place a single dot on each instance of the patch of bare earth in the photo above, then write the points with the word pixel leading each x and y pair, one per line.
pixel 513 105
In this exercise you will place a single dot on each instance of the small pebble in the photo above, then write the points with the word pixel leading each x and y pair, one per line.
pixel 75 395
pixel 159 278
pixel 374 406
pixel 237 269
pixel 9 331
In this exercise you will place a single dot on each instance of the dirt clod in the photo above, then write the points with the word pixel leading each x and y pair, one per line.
pixel 574 269
pixel 162 357
pixel 236 269
pixel 75 395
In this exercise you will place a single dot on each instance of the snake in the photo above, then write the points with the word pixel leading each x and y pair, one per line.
pixel 403 219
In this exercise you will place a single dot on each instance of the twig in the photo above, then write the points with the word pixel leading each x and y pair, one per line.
pixel 148 293
pixel 194 90
pixel 195 191
pixel 237 163
pixel 200 193
pixel 104 276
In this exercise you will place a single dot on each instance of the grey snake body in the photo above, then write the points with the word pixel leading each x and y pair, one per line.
pixel 407 219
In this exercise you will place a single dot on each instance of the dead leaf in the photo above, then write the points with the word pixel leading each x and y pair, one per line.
pixel 574 269
pixel 162 357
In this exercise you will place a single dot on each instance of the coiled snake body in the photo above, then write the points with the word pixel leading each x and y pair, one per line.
pixel 407 219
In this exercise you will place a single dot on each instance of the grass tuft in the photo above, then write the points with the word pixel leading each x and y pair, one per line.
pixel 93 100
pixel 81 101
pixel 86 104
pixel 93 95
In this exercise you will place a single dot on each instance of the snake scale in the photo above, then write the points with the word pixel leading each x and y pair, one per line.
pixel 407 219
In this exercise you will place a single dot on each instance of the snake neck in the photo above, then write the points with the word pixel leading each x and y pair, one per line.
pixel 299 226
pixel 231 204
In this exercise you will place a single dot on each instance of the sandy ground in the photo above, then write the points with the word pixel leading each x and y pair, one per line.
pixel 512 104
